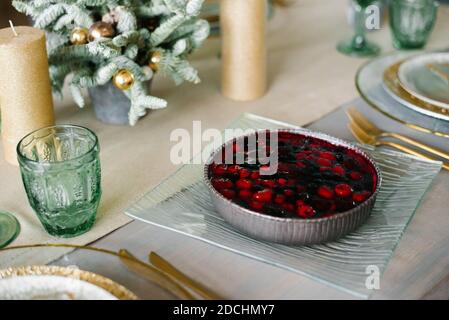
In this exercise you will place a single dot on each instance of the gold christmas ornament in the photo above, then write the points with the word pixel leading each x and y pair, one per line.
pixel 155 60
pixel 101 30
pixel 79 36
pixel 123 79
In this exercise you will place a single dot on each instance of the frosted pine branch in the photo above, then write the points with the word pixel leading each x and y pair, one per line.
pixel 175 32
pixel 153 11
pixel 141 101
pixel 127 21
pixel 49 15
pixel 165 29
pixel 132 51
pixel 130 37
pixel 81 18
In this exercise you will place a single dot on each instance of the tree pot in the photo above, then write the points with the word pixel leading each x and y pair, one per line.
pixel 110 104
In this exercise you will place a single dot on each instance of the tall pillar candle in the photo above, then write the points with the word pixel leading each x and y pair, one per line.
pixel 244 60
pixel 26 102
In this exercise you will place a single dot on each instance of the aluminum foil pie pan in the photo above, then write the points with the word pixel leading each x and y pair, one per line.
pixel 293 231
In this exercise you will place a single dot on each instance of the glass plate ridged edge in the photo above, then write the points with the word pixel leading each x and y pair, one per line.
pixel 107 284
pixel 373 105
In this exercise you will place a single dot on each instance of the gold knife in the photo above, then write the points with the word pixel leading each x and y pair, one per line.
pixel 190 283
pixel 154 275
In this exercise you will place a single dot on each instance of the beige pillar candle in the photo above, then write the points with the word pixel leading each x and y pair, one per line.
pixel 243 48
pixel 25 95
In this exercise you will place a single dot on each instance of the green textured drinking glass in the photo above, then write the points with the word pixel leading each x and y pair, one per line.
pixel 61 173
pixel 358 45
pixel 411 22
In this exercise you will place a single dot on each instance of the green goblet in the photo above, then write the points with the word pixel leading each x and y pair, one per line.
pixel 358 45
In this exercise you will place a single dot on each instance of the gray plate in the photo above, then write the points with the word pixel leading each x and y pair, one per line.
pixel 369 83
pixel 422 83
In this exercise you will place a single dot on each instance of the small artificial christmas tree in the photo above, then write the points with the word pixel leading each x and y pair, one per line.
pixel 125 41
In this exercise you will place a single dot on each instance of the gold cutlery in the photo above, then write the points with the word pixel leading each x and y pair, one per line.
pixel 183 279
pixel 372 130
pixel 366 138
pixel 154 275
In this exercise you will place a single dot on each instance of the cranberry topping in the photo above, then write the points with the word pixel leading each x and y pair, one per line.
pixel 244 173
pixel 314 178
pixel 228 193
pixel 355 175
pixel 255 205
pixel 324 162
pixel 338 170
pixel 243 184
pixel 325 192
pixel 233 169
pixel 343 190
pixel 306 212
pixel 245 194
pixel 263 196
pixel 361 196
pixel 279 199
pixel 222 184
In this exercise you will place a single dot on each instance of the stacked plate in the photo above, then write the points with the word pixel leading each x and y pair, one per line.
pixel 412 88
pixel 58 283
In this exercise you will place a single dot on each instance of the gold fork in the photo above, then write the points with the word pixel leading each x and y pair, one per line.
pixel 370 128
pixel 366 138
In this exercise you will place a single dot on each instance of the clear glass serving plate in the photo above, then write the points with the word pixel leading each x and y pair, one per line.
pixel 182 204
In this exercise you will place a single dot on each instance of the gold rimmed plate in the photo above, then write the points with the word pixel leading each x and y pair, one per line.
pixel 426 77
pixel 393 86
pixel 369 82
pixel 113 288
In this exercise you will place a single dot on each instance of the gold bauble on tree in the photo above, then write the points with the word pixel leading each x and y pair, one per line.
pixel 155 60
pixel 79 36
pixel 123 79
pixel 101 30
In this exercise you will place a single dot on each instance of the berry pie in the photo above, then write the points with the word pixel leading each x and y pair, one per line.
pixel 314 178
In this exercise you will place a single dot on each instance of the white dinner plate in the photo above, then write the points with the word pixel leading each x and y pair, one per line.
pixel 44 287
pixel 417 79
pixel 58 283
pixel 370 84
pixel 392 86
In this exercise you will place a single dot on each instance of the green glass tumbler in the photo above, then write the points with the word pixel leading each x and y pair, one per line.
pixel 61 173
pixel 411 22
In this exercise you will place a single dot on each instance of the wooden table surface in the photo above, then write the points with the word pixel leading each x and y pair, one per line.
pixel 325 81
pixel 308 78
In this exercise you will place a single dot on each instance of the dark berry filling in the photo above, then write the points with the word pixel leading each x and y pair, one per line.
pixel 314 178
